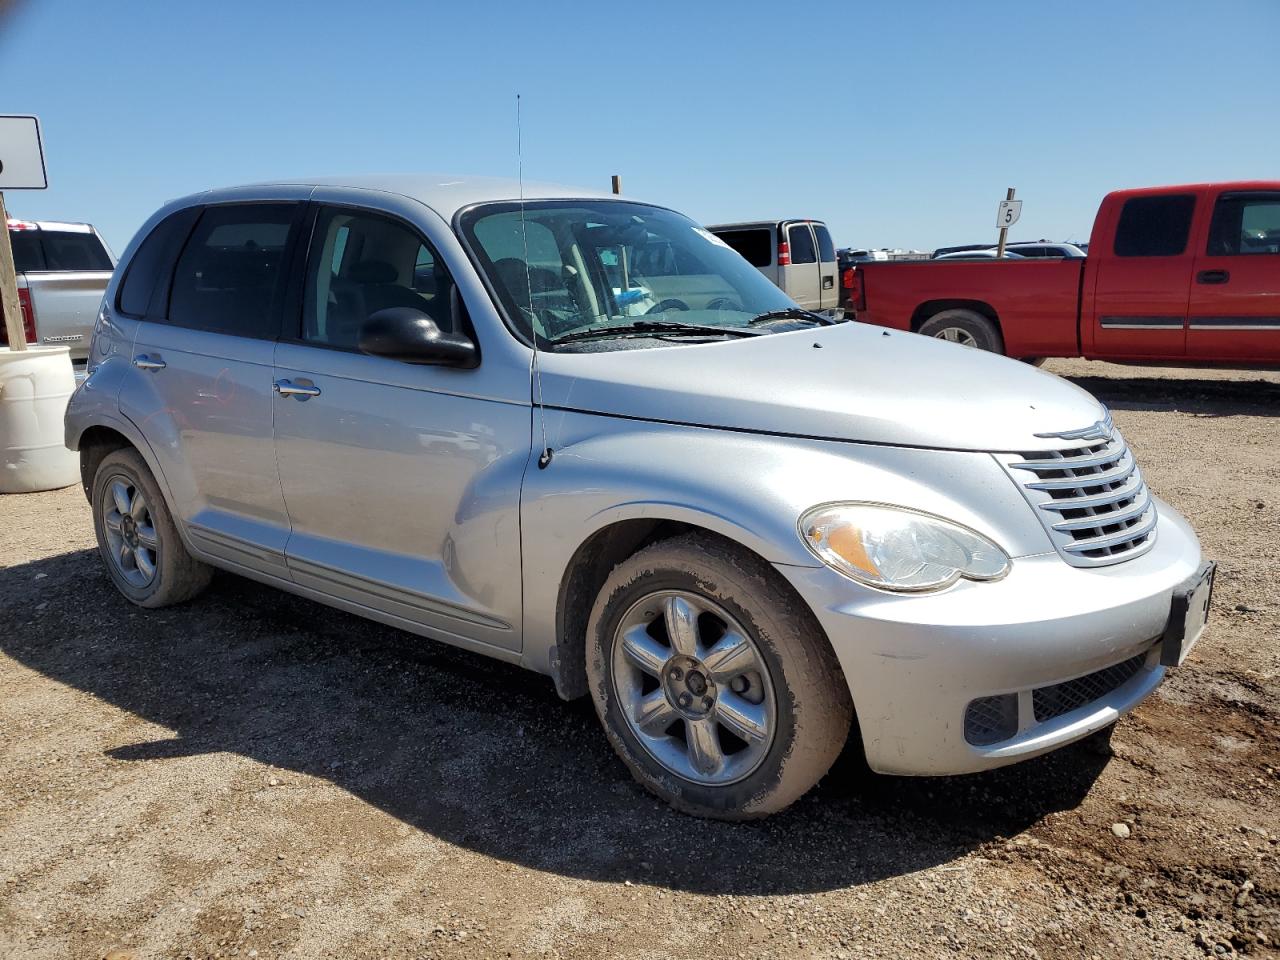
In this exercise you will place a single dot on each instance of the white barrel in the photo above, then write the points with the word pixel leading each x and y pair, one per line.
pixel 35 385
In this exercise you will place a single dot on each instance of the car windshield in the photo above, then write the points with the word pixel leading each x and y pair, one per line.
pixel 564 268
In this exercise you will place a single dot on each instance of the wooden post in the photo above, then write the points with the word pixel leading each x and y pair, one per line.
pixel 9 286
pixel 617 183
pixel 1004 232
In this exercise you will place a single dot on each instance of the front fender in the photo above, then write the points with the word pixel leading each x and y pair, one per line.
pixel 749 488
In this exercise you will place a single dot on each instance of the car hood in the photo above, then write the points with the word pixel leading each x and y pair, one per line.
pixel 849 381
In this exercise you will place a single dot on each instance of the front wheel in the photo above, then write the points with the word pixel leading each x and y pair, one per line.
pixel 968 328
pixel 714 683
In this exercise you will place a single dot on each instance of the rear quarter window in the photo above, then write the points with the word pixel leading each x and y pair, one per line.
pixel 755 245
pixel 1155 226
pixel 153 261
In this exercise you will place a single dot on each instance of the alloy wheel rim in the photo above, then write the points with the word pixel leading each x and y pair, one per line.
pixel 957 335
pixel 132 541
pixel 693 687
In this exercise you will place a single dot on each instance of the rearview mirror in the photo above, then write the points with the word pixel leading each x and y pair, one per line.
pixel 410 336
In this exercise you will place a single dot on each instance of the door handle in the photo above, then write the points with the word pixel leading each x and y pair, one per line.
pixel 144 362
pixel 287 388
pixel 1213 276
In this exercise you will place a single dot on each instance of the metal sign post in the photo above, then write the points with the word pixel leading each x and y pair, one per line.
pixel 1007 215
pixel 21 168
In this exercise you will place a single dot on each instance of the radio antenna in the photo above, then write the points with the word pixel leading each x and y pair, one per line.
pixel 545 457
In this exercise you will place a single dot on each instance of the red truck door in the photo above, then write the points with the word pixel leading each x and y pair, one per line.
pixel 1234 313
pixel 1142 282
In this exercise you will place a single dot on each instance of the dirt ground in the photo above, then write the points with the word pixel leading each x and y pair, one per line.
pixel 254 775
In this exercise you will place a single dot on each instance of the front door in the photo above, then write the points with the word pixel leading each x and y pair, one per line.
pixel 1140 297
pixel 801 278
pixel 402 482
pixel 200 390
pixel 1235 296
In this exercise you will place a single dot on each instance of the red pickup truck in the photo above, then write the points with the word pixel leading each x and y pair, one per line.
pixel 1186 274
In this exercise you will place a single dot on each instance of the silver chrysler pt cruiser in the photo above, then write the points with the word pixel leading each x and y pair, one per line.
pixel 581 434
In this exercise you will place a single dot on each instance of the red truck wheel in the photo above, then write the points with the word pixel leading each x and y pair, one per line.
pixel 964 327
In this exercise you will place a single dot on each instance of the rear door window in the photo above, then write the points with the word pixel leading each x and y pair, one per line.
pixel 800 240
pixel 755 245
pixel 229 277
pixel 1155 226
pixel 1245 224
pixel 826 249
pixel 151 265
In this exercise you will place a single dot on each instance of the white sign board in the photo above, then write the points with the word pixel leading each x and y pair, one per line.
pixel 1008 213
pixel 21 156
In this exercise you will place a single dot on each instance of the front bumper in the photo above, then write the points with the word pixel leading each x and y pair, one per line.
pixel 914 663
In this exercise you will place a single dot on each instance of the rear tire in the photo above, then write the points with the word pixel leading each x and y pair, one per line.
pixel 137 538
pixel 966 327
pixel 757 729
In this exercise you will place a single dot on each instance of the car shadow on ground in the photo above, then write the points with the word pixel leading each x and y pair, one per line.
pixel 1214 398
pixel 478 753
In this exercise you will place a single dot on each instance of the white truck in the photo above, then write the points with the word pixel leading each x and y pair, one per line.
pixel 63 270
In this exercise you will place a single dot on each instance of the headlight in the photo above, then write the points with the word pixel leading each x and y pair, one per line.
pixel 894 548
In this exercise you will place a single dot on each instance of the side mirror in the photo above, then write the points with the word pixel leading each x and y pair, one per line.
pixel 410 336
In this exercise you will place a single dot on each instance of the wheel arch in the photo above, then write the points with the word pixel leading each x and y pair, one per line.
pixel 103 436
pixel 95 444
pixel 589 567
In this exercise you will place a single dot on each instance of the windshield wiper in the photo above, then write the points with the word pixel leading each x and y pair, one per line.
pixel 640 327
pixel 790 313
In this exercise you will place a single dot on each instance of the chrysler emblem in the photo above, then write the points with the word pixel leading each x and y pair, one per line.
pixel 1100 430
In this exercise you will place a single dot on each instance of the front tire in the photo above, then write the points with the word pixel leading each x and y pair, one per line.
pixel 713 681
pixel 965 327
pixel 137 538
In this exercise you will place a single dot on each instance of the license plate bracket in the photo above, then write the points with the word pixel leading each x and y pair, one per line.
pixel 1188 614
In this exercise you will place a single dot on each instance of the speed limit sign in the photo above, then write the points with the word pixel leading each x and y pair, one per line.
pixel 1008 213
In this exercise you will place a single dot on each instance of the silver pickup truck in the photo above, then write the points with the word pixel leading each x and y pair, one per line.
pixel 63 270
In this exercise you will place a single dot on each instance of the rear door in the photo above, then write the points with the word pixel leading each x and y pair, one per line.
pixel 201 388
pixel 1235 293
pixel 801 277
pixel 829 268
pixel 1140 296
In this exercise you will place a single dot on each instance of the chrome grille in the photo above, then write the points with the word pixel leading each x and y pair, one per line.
pixel 1054 701
pixel 1090 496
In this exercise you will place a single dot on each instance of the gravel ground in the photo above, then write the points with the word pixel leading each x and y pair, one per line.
pixel 254 775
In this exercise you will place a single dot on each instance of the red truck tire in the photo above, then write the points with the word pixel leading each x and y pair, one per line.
pixel 966 327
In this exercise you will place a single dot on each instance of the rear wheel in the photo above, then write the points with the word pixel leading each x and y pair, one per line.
pixel 713 681
pixel 965 327
pixel 137 538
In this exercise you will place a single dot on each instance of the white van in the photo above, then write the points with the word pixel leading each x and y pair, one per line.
pixel 797 255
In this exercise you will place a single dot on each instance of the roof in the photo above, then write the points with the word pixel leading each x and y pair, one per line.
pixel 746 224
pixel 1243 186
pixel 444 193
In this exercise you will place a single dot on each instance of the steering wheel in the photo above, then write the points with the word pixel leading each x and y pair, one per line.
pixel 725 303
pixel 670 303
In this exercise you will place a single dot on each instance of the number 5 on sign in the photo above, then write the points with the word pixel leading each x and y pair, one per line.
pixel 1008 213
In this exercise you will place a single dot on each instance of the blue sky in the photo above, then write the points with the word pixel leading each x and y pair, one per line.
pixel 901 124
